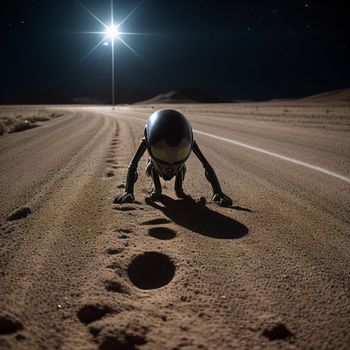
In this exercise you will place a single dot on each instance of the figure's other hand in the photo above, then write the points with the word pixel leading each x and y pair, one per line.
pixel 222 199
pixel 124 198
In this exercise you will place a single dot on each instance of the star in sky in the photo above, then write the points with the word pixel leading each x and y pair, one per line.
pixel 112 31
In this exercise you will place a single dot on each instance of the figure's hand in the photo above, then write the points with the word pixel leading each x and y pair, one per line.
pixel 124 198
pixel 222 199
pixel 154 195
pixel 183 195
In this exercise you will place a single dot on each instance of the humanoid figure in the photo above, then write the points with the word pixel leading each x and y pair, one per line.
pixel 169 141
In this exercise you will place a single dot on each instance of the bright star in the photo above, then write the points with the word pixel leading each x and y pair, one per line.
pixel 112 32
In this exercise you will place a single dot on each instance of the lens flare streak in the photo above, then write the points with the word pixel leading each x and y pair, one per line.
pixel 131 49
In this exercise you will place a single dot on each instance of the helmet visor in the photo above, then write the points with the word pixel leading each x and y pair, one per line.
pixel 165 153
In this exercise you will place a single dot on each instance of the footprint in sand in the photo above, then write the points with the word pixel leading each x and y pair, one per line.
pixel 114 251
pixel 278 332
pixel 162 233
pixel 122 341
pixel 115 287
pixel 9 324
pixel 114 265
pixel 128 332
pixel 110 173
pixel 124 233
pixel 151 270
pixel 19 213
pixel 158 221
pixel 124 208
pixel 92 312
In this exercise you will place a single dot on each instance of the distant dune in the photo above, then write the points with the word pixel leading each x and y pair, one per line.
pixel 192 95
pixel 341 95
pixel 83 100
pixel 282 100
pixel 187 95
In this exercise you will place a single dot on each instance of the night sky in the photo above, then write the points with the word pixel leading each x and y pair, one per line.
pixel 232 49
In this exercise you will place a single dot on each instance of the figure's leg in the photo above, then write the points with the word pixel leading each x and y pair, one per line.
pixel 157 190
pixel 128 195
pixel 180 176
pixel 218 195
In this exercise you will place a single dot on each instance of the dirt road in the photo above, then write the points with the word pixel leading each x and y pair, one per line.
pixel 273 271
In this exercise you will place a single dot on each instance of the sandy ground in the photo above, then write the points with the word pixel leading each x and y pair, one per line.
pixel 273 271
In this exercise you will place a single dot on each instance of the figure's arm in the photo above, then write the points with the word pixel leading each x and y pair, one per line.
pixel 218 195
pixel 131 178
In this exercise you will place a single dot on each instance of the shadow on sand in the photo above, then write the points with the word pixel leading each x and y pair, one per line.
pixel 199 218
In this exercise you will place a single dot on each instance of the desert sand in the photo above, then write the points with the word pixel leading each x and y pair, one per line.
pixel 272 271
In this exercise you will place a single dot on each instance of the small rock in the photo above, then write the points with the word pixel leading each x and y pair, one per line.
pixel 19 213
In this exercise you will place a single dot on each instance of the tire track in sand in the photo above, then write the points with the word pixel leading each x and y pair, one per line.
pixel 42 284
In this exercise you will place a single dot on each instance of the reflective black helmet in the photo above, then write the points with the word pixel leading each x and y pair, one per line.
pixel 169 140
